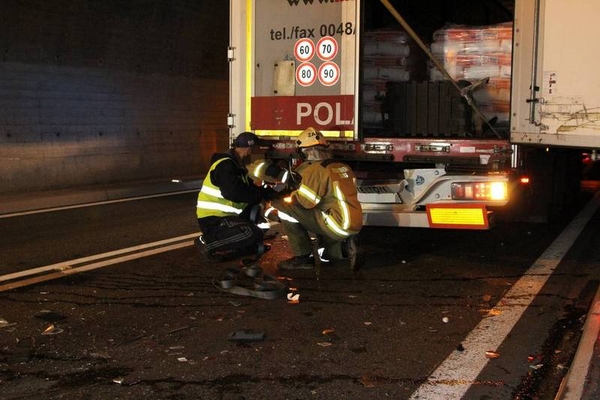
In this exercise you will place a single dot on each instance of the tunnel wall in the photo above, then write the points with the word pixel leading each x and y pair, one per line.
pixel 112 91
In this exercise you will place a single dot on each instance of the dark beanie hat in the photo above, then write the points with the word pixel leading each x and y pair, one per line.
pixel 246 139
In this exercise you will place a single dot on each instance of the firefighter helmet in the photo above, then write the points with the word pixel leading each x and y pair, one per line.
pixel 310 137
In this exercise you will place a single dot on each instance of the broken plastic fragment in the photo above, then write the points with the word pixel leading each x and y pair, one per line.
pixel 492 354
pixel 118 380
pixel 536 366
pixel 52 330
pixel 324 344
pixel 328 331
pixel 493 313
pixel 244 335
pixel 293 297
pixel 445 320
pixel 182 359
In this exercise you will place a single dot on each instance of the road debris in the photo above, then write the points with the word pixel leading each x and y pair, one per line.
pixel 52 330
pixel 5 324
pixel 445 320
pixel 491 313
pixel 492 354
pixel 246 335
pixel 293 298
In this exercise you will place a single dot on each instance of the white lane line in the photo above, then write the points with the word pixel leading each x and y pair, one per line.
pixel 70 267
pixel 95 203
pixel 455 375
pixel 574 383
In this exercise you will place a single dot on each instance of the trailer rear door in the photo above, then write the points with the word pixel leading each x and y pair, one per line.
pixel 556 84
pixel 300 66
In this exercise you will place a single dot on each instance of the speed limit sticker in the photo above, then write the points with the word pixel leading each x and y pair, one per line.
pixel 329 73
pixel 306 74
pixel 327 48
pixel 304 49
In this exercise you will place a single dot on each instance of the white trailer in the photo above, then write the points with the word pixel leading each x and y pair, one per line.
pixel 427 150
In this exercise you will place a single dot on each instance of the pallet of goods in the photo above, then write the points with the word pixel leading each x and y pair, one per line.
pixel 474 53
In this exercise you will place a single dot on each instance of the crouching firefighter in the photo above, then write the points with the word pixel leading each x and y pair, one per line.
pixel 325 203
pixel 229 206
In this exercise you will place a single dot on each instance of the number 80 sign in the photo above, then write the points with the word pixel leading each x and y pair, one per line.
pixel 306 74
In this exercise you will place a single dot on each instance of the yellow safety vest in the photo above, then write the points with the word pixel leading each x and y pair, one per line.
pixel 211 202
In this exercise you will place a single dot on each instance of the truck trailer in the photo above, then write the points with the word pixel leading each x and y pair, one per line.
pixel 448 111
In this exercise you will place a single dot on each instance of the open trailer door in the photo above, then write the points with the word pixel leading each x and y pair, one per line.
pixel 556 85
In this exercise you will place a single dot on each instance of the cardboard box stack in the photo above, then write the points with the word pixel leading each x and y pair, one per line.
pixel 387 57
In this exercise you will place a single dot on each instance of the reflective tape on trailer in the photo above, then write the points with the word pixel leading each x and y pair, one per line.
pixel 458 216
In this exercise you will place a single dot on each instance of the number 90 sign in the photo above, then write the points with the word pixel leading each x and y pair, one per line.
pixel 329 73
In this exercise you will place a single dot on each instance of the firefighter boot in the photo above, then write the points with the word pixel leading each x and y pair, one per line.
pixel 350 251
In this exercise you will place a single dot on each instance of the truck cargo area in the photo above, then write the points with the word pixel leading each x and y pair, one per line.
pixel 447 110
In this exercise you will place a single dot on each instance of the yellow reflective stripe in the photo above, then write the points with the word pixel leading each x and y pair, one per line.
pixel 286 217
pixel 343 206
pixel 331 224
pixel 308 194
pixel 211 191
pixel 258 171
pixel 209 205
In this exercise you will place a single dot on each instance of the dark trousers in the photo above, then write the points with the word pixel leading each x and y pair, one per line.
pixel 230 234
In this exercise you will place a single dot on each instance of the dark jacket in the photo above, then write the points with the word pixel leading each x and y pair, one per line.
pixel 229 176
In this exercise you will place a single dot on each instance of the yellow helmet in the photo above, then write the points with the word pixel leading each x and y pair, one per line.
pixel 310 137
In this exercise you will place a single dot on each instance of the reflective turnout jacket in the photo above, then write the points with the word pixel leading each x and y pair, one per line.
pixel 226 190
pixel 330 187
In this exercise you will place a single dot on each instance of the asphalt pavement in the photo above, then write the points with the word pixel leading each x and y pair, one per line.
pixel 582 381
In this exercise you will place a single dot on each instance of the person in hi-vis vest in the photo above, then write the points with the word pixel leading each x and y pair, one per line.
pixel 228 206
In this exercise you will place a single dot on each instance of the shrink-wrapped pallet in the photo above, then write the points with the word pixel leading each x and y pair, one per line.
pixel 475 53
